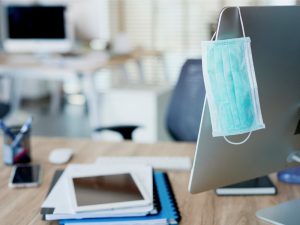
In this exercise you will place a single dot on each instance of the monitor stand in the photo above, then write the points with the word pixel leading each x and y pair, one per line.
pixel 286 213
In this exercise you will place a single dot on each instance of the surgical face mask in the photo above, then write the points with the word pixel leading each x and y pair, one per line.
pixel 231 88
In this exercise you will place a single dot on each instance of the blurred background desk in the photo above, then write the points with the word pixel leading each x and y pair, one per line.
pixel 60 68
pixel 21 207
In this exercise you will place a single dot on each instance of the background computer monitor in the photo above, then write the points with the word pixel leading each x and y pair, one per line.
pixel 275 41
pixel 36 28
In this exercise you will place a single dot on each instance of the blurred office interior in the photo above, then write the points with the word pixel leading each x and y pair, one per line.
pixel 145 44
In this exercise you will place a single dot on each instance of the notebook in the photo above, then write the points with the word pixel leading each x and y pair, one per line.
pixel 61 189
pixel 48 213
pixel 169 213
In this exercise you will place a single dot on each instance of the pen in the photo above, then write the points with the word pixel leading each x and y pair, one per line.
pixel 20 135
pixel 6 130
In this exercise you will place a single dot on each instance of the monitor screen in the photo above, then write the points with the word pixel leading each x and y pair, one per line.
pixel 36 22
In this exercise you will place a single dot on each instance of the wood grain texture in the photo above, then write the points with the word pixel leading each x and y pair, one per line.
pixel 21 206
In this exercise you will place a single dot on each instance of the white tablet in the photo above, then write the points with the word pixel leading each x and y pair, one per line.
pixel 107 191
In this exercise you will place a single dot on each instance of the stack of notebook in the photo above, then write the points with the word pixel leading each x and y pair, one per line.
pixel 162 209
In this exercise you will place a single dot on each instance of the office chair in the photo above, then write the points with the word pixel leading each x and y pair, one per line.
pixel 185 108
pixel 125 130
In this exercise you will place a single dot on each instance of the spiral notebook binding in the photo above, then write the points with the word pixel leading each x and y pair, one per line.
pixel 156 201
pixel 174 201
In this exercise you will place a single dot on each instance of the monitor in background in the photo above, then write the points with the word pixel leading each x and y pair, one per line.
pixel 36 28
pixel 275 42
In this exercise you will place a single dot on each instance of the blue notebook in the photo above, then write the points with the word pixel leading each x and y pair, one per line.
pixel 169 210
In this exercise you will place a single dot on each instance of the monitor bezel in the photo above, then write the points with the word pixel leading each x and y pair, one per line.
pixel 34 45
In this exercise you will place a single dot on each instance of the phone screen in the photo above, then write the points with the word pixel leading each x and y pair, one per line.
pixel 26 174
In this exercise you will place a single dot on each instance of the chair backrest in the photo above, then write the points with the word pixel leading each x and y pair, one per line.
pixel 185 108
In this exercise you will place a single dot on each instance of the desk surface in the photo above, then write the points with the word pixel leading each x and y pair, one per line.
pixel 18 207
pixel 51 65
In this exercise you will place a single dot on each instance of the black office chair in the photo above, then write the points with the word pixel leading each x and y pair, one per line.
pixel 185 108
pixel 4 109
pixel 125 130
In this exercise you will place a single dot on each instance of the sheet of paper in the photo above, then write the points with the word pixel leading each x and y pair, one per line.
pixel 156 222
pixel 157 162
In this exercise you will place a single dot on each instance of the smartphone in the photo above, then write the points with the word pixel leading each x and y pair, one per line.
pixel 25 176
pixel 258 186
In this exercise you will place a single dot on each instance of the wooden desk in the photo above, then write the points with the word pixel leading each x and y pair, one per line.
pixel 61 68
pixel 20 207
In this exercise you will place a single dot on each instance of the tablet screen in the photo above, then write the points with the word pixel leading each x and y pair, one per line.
pixel 106 189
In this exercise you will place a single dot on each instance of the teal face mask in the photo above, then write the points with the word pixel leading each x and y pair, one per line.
pixel 231 88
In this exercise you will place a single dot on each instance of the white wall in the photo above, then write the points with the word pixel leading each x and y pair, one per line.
pixel 91 18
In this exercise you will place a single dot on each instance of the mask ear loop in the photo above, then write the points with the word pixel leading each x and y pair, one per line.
pixel 238 143
pixel 214 35
pixel 241 21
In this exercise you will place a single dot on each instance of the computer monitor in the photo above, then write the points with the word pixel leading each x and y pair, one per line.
pixel 275 42
pixel 38 28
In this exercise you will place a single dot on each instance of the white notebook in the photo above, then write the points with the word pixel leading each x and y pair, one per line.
pixel 59 200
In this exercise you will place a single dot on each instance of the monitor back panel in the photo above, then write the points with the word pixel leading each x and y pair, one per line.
pixel 275 42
